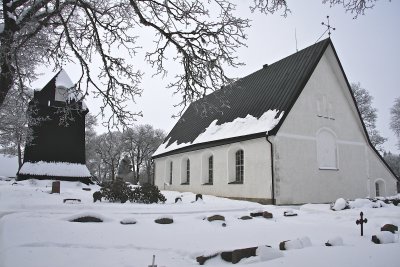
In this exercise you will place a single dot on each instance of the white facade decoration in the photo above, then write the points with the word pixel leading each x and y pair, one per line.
pixel 327 149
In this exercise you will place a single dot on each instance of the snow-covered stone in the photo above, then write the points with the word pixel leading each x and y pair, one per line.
pixel 267 253
pixel 384 237
pixel 296 243
pixel 340 204
pixel 334 241
pixel 360 203
pixel 128 221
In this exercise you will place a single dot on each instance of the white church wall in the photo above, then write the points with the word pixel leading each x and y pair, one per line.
pixel 325 103
pixel 257 171
pixel 380 175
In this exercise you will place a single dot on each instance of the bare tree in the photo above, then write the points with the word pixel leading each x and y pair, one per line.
pixel 92 158
pixel 140 144
pixel 109 151
pixel 15 115
pixel 202 36
pixel 355 7
pixel 368 115
pixel 13 125
pixel 395 120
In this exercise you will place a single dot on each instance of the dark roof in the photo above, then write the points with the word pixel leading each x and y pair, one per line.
pixel 276 86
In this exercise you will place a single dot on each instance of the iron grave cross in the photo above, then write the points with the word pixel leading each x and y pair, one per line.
pixel 361 221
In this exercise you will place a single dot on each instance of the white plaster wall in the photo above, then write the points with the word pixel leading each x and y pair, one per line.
pixel 377 173
pixel 297 175
pixel 257 171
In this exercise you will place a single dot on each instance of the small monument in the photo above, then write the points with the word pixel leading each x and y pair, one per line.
pixel 125 169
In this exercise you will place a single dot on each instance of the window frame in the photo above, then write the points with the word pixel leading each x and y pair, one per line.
pixel 239 166
pixel 210 170
pixel 171 166
pixel 187 171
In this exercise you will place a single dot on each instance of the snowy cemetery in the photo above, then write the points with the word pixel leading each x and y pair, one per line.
pixel 277 165
pixel 39 228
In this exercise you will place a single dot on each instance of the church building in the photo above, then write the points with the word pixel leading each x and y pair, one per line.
pixel 289 133
pixel 56 149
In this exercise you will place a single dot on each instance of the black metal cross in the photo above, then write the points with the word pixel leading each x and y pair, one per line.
pixel 361 221
pixel 329 27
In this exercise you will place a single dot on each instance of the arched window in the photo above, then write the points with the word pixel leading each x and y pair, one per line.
pixel 210 169
pixel 380 190
pixel 170 172
pixel 239 166
pixel 185 171
pixel 377 191
pixel 327 150
pixel 188 171
pixel 207 168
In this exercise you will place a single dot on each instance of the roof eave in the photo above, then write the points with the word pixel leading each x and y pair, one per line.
pixel 213 143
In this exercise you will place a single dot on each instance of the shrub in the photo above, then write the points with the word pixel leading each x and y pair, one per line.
pixel 147 193
pixel 116 191
pixel 120 191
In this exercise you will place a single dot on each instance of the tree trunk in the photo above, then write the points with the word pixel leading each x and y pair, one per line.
pixel 137 172
pixel 19 149
pixel 112 171
pixel 6 40
pixel 148 171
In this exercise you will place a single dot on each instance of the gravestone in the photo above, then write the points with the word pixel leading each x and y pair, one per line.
pixel 55 187
pixel 216 218
pixel 267 215
pixel 390 228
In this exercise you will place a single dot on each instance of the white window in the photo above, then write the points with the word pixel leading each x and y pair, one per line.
pixel 236 164
pixel 210 169
pixel 380 190
pixel 170 171
pixel 327 150
pixel 207 168
pixel 185 171
pixel 239 166
pixel 188 171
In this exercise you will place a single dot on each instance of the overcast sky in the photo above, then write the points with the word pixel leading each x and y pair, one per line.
pixel 368 48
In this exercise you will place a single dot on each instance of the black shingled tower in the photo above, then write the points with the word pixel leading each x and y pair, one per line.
pixel 53 141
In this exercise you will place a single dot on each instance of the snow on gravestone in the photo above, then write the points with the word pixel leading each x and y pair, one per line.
pixel 384 237
pixel 340 204
pixel 335 241
pixel 298 243
pixel 267 253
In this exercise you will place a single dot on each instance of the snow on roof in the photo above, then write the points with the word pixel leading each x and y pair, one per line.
pixel 238 127
pixel 64 169
pixel 63 80
pixel 65 89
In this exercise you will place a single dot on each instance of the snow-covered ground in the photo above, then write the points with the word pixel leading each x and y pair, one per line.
pixel 8 166
pixel 35 231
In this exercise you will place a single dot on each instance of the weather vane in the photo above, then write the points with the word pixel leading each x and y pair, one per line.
pixel 328 28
